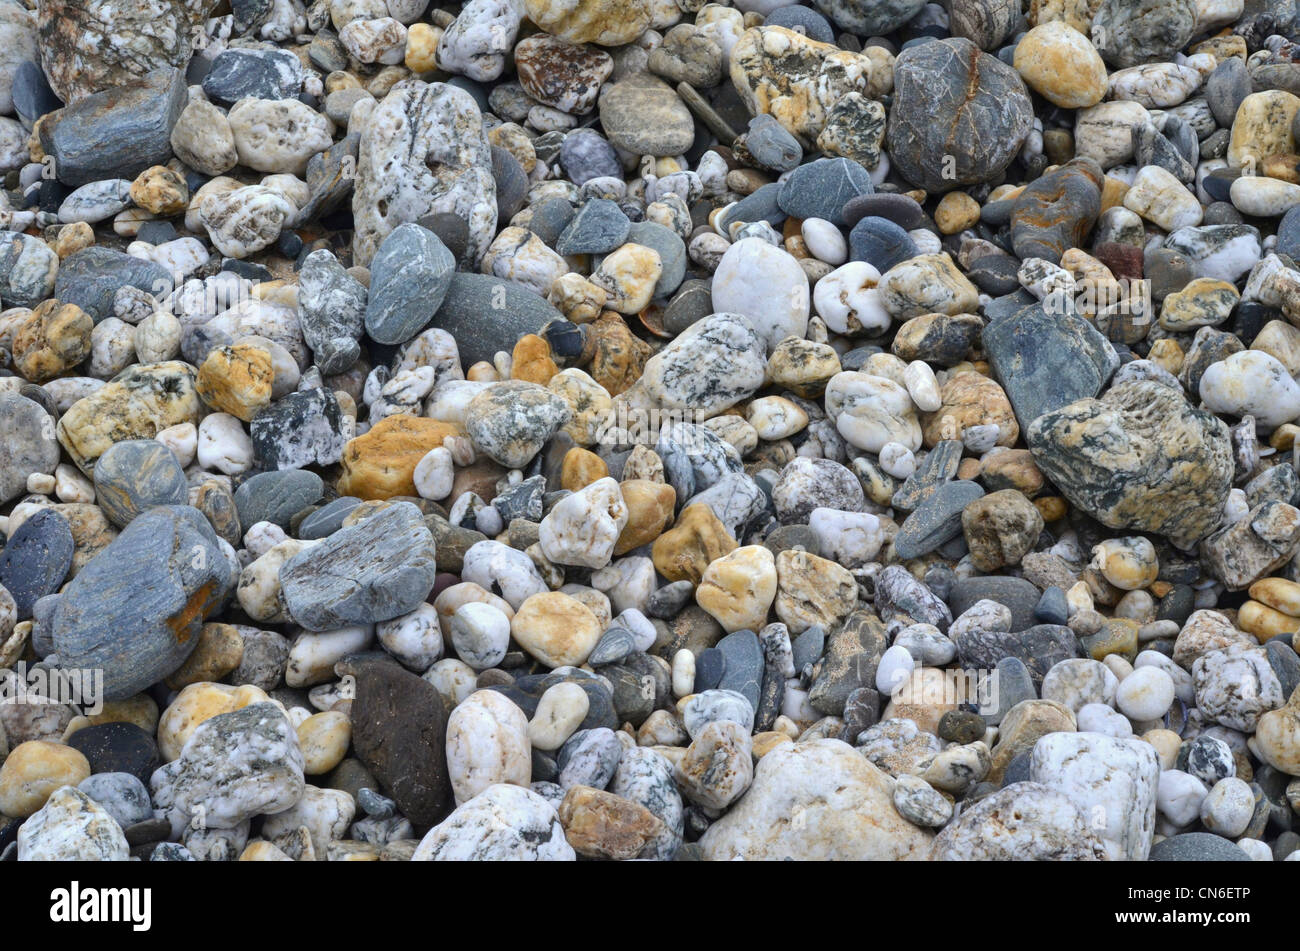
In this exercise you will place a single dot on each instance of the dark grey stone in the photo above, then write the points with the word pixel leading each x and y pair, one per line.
pixel 277 496
pixel 36 559
pixel 1039 648
pixel 1019 595
pixel 821 188
pixel 304 428
pixel 743 670
pixel 91 278
pixel 937 519
pixel 1197 847
pixel 1046 361
pixel 117 133
pixel 598 227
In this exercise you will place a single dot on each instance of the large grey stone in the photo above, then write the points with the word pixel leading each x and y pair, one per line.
pixel 135 609
pixel 372 571
pixel 117 133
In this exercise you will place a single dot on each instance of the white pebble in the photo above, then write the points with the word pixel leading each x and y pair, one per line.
pixel 897 460
pixel 1146 694
pixel 825 241
pixel 896 666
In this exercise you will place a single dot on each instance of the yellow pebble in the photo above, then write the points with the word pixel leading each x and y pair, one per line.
pixel 1264 622
pixel 956 212
pixel 422 47
pixel 1279 594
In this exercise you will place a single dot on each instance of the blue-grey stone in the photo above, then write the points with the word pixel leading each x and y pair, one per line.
pixel 1018 769
pixel 1197 847
pixel 808 646
pixel 959 116
pixel 1047 361
pixel 598 227
pixel 820 189
pixel 1227 86
pixel 880 243
pixel 743 669
pixel 91 278
pixel 32 94
pixel 409 280
pixel 156 232
pixel 1019 595
pixel 327 519
pixel 1288 234
pixel 672 253
pixel 666 602
pixel 375 570
pixel 134 610
pixel 710 666
pixel 1014 684
pixel 511 181
pixel 550 217
pixel 36 559
pixel 117 133
pixel 1039 648
pixel 253 74
pixel 939 466
pixel 815 26
pixel 485 313
pixel 1052 608
pixel 586 154
pixel 135 475
pixel 937 519
pixel 303 429
pixel 613 646
pixel 762 204
pixel 870 17
pixel 276 496
pixel 1284 662
pixel 771 146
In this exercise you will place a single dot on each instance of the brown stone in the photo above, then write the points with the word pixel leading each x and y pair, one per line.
pixel 599 824
pixel 698 539
pixel 531 360
pixel 236 380
pixel 971 399
pixel 650 510
pixel 1013 469
pixel 618 355
pixel 580 468
pixel 219 651
pixel 381 463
